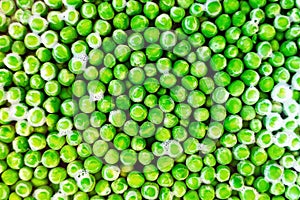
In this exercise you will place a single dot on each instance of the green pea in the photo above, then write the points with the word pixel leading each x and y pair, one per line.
pixel 139 23
pixel 223 191
pixel 6 43
pixel 150 190
pixel 166 5
pixel 266 32
pixel 223 22
pixel 136 41
pixel 102 27
pixel 121 21
pixel 133 8
pixel 177 14
pixel 245 44
pixel 245 168
pixel 190 24
pixel 163 22
pixel 138 59
pixel 8 7
pixel 231 7
pixel 213 8
pixel 17 31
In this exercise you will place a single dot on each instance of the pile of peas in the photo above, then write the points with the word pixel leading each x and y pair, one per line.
pixel 145 99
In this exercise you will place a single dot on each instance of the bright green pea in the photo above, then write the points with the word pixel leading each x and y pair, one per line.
pixel 6 43
pixel 20 144
pixel 121 21
pixel 190 24
pixel 105 11
pixel 23 188
pixel 54 19
pixel 153 52
pixel 120 71
pixel 13 61
pixel 18 47
pixel 177 14
pixel 118 5
pixel 191 145
pixel 139 23
pixel 245 168
pixel 223 22
pixel 151 10
pixel 236 181
pixel 103 28
pixel 165 180
pixel 166 5
pixel 207 174
pixel 281 22
pixel 71 17
pixel 6 77
pixel 231 7
pixel 119 186
pixel 252 60
pixel 17 31
pixel 102 188
pixel 15 160
pixel 135 179
pixel 245 44
pixel 250 96
pixel 25 173
pixel 292 192
pixel 138 144
pixel 138 59
pixel 9 176
pixel 8 7
pixel 122 53
pixel 266 32
pixel 133 7
pixel 250 28
pixel 133 193
pixel 163 22
pixel 93 164
pixel 88 10
pixel 162 134
pixel 110 172
pixel 207 192
pixel 223 191
pixel 150 190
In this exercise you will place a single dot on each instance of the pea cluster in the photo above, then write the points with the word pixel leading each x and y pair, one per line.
pixel 141 99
